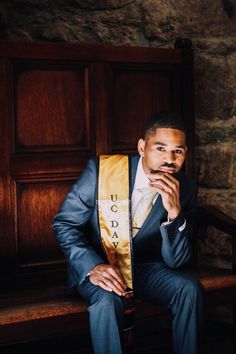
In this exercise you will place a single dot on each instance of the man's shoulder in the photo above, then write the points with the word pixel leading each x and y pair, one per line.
pixel 91 165
pixel 89 172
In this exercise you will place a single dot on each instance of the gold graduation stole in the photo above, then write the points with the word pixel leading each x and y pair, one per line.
pixel 114 217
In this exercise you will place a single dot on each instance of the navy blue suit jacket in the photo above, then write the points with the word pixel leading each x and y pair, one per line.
pixel 77 230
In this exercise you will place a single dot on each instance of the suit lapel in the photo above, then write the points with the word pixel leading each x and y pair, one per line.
pixel 157 212
pixel 133 169
pixel 152 222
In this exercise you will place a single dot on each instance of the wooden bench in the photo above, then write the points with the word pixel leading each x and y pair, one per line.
pixel 37 314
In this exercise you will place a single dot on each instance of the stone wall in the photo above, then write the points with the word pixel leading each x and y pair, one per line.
pixel 210 24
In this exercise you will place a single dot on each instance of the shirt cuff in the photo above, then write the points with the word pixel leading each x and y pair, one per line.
pixel 168 222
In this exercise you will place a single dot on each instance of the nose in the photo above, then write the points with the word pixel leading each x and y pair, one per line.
pixel 169 156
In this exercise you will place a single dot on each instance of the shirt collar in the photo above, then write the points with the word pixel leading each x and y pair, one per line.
pixel 141 180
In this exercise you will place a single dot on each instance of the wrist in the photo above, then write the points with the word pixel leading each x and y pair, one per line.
pixel 173 214
pixel 94 269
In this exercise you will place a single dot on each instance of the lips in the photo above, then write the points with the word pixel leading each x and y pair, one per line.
pixel 167 169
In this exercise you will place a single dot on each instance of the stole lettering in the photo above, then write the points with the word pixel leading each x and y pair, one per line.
pixel 114 223
pixel 115 235
pixel 114 197
pixel 114 208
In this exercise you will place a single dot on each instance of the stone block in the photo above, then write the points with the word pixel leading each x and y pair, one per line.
pixel 216 131
pixel 215 166
pixel 216 46
pixel 169 19
pixel 215 86
pixel 223 199
pixel 75 21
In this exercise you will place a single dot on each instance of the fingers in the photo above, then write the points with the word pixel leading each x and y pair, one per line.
pixel 167 177
pixel 165 181
pixel 119 278
pixel 168 187
pixel 102 285
pixel 108 278
pixel 160 189
pixel 161 185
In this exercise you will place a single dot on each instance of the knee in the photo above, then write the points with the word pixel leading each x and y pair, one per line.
pixel 192 289
pixel 106 300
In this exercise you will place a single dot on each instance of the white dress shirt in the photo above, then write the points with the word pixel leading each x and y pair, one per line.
pixel 141 181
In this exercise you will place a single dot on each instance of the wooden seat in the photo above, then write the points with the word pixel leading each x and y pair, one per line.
pixel 40 313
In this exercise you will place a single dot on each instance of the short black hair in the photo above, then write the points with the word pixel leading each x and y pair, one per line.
pixel 163 119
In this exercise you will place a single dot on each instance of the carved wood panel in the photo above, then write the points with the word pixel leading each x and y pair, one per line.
pixel 138 92
pixel 51 106
pixel 37 203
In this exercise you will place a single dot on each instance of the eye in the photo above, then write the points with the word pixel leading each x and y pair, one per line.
pixel 160 148
pixel 178 151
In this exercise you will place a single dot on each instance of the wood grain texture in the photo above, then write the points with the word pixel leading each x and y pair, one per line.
pixel 37 204
pixel 7 232
pixel 137 92
pixel 51 106
pixel 93 53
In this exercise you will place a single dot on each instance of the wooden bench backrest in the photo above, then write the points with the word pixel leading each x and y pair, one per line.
pixel 60 105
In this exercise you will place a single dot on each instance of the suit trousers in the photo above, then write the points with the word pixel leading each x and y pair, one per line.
pixel 156 283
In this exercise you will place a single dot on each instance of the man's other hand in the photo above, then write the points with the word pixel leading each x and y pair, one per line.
pixel 108 278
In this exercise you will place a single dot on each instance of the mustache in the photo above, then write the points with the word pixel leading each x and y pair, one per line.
pixel 166 164
pixel 169 165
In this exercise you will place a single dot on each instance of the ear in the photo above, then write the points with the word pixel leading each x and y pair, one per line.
pixel 141 147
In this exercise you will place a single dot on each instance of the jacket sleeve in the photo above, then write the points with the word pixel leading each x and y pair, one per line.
pixel 176 236
pixel 70 222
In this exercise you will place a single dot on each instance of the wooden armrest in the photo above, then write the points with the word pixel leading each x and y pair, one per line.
pixel 210 215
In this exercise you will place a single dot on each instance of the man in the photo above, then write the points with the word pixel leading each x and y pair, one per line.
pixel 160 244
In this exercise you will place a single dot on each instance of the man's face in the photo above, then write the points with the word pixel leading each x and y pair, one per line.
pixel 163 152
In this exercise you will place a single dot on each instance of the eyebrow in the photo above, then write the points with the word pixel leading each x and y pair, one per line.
pixel 162 144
